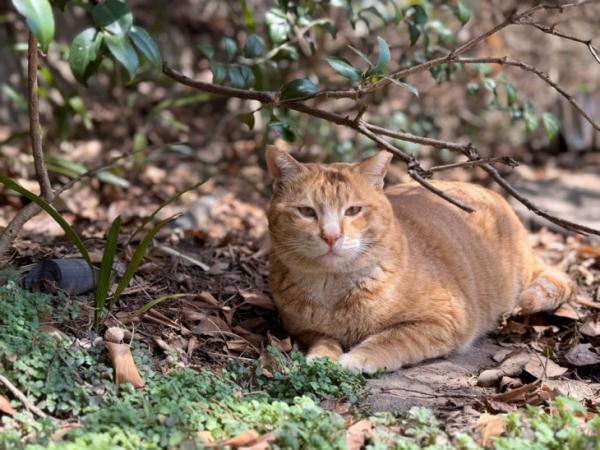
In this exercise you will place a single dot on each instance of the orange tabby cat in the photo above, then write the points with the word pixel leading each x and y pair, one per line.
pixel 379 279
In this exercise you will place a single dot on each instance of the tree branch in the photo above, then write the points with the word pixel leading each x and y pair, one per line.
pixel 372 132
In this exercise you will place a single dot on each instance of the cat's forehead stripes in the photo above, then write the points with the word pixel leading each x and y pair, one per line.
pixel 331 187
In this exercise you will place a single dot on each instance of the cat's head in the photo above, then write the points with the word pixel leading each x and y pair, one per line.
pixel 328 218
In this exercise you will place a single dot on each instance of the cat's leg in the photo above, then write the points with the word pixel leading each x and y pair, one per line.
pixel 324 347
pixel 549 289
pixel 404 344
pixel 320 346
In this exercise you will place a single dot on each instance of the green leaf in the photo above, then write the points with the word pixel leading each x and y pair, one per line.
pixel 277 25
pixel 332 30
pixel 110 178
pixel 551 125
pixel 137 257
pixel 418 15
pixel 152 303
pixel 284 130
pixel 473 88
pixel 364 57
pixel 414 32
pixel 69 231
pixel 241 77
pixel 404 85
pixel 219 72
pixel 461 12
pixel 106 267
pixel 167 202
pixel 208 50
pixel 123 51
pixel 248 119
pixel 483 69
pixel 145 44
pixel 511 93
pixel 230 47
pixel 114 16
pixel 298 88
pixel 254 46
pixel 490 85
pixel 84 50
pixel 39 18
pixel 531 121
pixel 344 68
pixel 248 17
pixel 384 55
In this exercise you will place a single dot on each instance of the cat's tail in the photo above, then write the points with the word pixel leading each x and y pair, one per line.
pixel 549 288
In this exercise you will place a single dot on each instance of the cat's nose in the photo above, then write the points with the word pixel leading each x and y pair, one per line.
pixel 330 238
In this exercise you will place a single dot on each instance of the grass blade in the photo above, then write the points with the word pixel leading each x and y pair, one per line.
pixel 69 231
pixel 167 202
pixel 138 254
pixel 152 303
pixel 108 256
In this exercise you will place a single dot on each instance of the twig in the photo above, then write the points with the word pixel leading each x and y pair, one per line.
pixel 17 393
pixel 507 160
pixel 34 119
pixel 551 30
pixel 372 131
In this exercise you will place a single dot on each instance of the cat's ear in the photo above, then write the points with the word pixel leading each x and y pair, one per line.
pixel 282 166
pixel 375 168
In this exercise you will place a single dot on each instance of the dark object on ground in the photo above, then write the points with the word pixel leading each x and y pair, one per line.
pixel 73 276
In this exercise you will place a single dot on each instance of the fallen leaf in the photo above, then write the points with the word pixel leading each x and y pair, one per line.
pixel 511 366
pixel 507 383
pixel 258 299
pixel 529 394
pixel 207 297
pixel 122 361
pixel 568 311
pixel 591 327
pixel 582 355
pixel 541 368
pixel 263 443
pixel 5 406
pixel 211 325
pixel 490 426
pixel 246 438
pixel 283 345
pixel 206 437
pixel 357 434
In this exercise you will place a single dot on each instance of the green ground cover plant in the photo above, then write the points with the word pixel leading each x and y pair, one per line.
pixel 70 380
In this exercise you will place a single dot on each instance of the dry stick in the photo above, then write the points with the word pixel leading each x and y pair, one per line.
pixel 34 119
pixel 371 130
pixel 551 30
pixel 507 160
pixel 17 393
pixel 15 225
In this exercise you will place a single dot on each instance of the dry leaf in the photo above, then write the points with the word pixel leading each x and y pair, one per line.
pixel 283 345
pixel 5 406
pixel 211 325
pixel 263 443
pixel 246 438
pixel 582 355
pixel 207 297
pixel 258 299
pixel 541 367
pixel 357 434
pixel 192 345
pixel 123 365
pixel 206 437
pixel 507 383
pixel 591 327
pixel 511 366
pixel 568 311
pixel 489 427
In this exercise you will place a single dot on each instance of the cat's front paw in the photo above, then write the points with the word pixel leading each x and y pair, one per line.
pixel 356 362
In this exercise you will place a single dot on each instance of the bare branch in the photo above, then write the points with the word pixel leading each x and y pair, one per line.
pixel 507 160
pixel 34 119
pixel 22 397
pixel 506 61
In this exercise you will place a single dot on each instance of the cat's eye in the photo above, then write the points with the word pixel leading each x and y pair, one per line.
pixel 307 211
pixel 353 210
